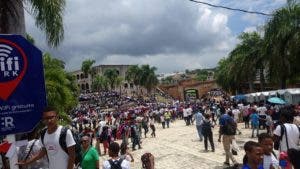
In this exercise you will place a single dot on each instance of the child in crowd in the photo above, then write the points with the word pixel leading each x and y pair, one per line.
pixel 152 126
pixel 147 161
pixel 254 122
pixel 124 153
pixel 254 156
pixel 266 142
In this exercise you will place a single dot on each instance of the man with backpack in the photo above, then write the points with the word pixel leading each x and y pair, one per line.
pixel 60 156
pixel 115 162
pixel 228 130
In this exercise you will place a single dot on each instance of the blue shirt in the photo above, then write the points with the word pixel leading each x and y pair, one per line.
pixel 224 118
pixel 199 118
pixel 254 119
pixel 245 166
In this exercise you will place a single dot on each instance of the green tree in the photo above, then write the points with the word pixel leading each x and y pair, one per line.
pixel 61 88
pixel 148 77
pixel 99 83
pixel 112 76
pixel 133 74
pixel 48 17
pixel 87 68
pixel 281 39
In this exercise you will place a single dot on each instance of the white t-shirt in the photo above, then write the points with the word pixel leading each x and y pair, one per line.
pixel 189 111
pixel 125 164
pixel 292 132
pixel 236 113
pixel 185 113
pixel 270 160
pixel 58 158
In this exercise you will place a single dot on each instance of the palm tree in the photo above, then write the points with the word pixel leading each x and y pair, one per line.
pixel 112 76
pixel 148 78
pixel 48 17
pixel 281 37
pixel 133 75
pixel 99 83
pixel 87 69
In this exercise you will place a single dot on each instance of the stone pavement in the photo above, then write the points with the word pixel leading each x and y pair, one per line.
pixel 178 147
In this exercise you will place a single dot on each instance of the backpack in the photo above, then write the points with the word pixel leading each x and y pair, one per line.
pixel 206 127
pixel 229 128
pixel 63 143
pixel 115 164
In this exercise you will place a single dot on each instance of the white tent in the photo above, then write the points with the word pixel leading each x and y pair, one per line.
pixel 292 96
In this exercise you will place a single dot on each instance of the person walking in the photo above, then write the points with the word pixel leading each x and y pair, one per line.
pixel 199 121
pixel 115 161
pixel 227 128
pixel 152 126
pixel 207 132
pixel 31 149
pixel 255 123
pixel 90 156
pixel 57 156
pixel 167 117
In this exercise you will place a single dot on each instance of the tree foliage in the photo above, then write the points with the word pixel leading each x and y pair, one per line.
pixel 61 88
pixel 143 75
pixel 277 53
pixel 48 16
pixel 112 77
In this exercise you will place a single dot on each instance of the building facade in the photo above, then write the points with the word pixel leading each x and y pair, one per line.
pixel 84 82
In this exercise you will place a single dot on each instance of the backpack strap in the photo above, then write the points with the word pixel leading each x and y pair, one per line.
pixel 115 164
pixel 62 139
pixel 286 139
pixel 43 132
pixel 31 147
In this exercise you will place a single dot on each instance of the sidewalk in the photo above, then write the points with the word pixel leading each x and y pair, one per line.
pixel 178 147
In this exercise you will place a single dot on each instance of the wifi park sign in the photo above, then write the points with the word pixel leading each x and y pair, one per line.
pixel 22 85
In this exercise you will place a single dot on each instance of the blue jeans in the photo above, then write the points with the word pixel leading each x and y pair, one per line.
pixel 199 129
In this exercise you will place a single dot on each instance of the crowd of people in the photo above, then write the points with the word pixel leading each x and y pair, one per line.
pixel 120 122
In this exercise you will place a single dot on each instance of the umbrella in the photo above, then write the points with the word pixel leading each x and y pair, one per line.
pixel 276 100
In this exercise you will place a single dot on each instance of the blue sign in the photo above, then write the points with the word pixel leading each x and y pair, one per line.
pixel 22 85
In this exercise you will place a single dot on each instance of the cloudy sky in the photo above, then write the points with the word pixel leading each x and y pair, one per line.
pixel 172 35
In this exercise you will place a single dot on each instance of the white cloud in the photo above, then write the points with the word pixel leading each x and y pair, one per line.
pixel 250 29
pixel 171 35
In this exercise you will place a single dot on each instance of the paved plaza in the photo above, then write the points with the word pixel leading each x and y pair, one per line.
pixel 178 147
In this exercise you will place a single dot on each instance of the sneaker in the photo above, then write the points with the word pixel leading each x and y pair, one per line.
pixel 236 166
pixel 226 163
